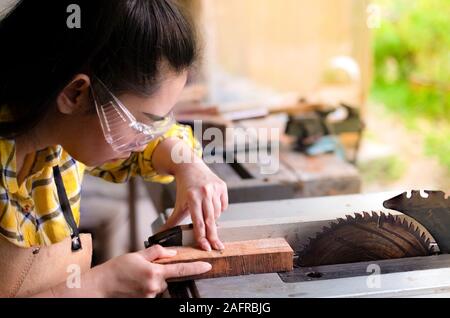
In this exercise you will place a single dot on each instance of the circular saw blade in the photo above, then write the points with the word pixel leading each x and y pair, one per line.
pixel 365 237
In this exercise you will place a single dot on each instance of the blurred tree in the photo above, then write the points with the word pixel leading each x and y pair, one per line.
pixel 412 57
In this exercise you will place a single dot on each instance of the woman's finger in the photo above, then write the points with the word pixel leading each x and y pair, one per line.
pixel 224 200
pixel 185 269
pixel 157 284
pixel 156 252
pixel 217 205
pixel 195 208
pixel 210 222
pixel 178 215
pixel 163 286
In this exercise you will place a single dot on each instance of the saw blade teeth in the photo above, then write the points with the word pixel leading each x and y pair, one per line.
pixel 390 218
pixel 309 242
pixel 375 216
pixel 358 216
pixel 339 228
pixel 409 226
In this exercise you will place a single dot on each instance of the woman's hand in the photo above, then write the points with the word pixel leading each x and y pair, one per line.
pixel 130 275
pixel 204 196
pixel 200 193
pixel 134 275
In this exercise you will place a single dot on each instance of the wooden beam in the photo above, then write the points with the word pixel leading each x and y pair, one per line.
pixel 239 258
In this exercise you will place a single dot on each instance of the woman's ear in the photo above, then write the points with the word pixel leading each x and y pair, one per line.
pixel 74 97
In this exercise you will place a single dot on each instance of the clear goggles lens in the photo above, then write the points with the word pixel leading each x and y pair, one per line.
pixel 121 129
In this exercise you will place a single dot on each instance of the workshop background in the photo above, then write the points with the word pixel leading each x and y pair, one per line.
pixel 388 59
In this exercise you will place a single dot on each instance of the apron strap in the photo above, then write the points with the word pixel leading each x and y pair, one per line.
pixel 66 209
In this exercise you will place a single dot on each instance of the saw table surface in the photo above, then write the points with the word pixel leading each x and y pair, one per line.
pixel 298 219
pixel 304 209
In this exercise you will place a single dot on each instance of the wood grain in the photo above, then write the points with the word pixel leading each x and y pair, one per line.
pixel 238 258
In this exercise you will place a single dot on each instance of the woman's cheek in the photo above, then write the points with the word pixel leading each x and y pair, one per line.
pixel 94 150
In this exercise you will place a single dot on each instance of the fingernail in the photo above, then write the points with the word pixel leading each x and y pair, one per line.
pixel 220 246
pixel 172 252
pixel 206 246
pixel 209 266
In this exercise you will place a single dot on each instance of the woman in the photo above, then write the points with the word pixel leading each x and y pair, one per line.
pixel 97 98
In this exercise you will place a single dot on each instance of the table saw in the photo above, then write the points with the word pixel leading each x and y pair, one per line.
pixel 409 265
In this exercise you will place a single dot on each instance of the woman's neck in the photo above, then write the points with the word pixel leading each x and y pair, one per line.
pixel 24 150
pixel 26 147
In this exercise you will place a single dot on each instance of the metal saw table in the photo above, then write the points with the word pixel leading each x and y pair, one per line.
pixel 299 219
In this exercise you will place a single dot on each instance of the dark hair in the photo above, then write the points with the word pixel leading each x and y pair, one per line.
pixel 123 42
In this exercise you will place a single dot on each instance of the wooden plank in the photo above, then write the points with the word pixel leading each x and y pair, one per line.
pixel 239 258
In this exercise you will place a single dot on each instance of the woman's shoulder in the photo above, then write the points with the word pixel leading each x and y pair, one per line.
pixel 5 113
pixel 7 148
pixel 57 156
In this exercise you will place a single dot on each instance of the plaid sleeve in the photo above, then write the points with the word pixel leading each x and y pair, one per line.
pixel 140 163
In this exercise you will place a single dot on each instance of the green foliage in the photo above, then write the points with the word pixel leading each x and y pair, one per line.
pixel 437 144
pixel 384 170
pixel 415 38
pixel 412 67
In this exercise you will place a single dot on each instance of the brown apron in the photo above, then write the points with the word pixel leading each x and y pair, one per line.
pixel 27 271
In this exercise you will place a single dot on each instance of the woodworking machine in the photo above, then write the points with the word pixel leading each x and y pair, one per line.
pixel 387 244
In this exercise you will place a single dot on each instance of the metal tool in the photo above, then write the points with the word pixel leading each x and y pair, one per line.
pixel 365 237
pixel 181 235
pixel 310 127
pixel 433 212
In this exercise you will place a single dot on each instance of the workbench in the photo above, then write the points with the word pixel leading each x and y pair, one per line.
pixel 298 176
pixel 297 220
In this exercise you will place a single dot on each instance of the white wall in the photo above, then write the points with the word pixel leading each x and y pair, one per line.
pixel 287 45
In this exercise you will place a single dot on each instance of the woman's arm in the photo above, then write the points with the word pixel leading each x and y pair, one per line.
pixel 90 287
pixel 200 192
pixel 130 275
pixel 140 163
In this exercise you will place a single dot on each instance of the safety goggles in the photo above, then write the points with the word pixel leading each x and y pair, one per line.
pixel 121 129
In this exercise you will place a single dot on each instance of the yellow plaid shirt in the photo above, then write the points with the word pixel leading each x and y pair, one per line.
pixel 30 214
